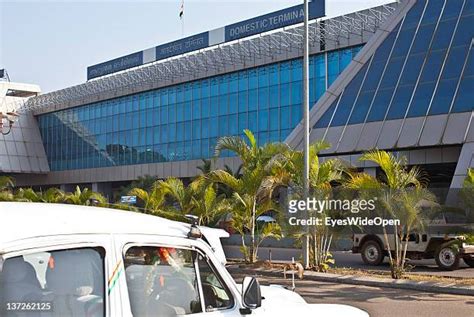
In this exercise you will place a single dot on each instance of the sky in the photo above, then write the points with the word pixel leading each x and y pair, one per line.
pixel 51 43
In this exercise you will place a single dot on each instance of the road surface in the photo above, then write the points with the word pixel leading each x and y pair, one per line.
pixel 348 259
pixel 380 302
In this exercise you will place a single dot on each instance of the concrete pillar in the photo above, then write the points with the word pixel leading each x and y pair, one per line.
pixel 465 161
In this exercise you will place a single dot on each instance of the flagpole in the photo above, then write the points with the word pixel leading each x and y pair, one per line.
pixel 306 126
pixel 181 16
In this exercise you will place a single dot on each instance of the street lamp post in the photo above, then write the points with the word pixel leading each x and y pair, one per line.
pixel 7 120
pixel 306 125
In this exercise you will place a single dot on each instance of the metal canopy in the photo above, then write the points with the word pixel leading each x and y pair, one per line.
pixel 216 58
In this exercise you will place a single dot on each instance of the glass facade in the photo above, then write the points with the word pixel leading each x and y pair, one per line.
pixel 184 121
pixel 424 67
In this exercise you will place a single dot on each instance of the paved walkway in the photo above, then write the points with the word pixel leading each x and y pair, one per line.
pixel 381 302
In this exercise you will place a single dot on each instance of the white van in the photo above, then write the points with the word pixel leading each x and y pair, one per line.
pixel 64 260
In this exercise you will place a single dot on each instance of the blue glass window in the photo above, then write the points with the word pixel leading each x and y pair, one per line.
pixel 348 97
pixel 285 117
pixel 263 98
pixel 274 96
pixel 253 100
pixel 383 51
pixel 413 17
pixel 392 72
pixel 452 8
pixel 443 35
pixel 185 120
pixel 422 39
pixel 432 12
pixel 285 73
pixel 263 120
pixel 324 121
pixel 465 96
pixel 253 79
pixel 233 101
pixel 333 66
pixel 400 102
pixel 464 31
pixel 223 105
pixel 296 92
pixel 233 126
pixel 243 123
pixel 433 66
pixel 380 105
pixel 412 68
pixel 443 96
pixel 274 119
pixel 373 76
pixel 421 99
pixel 284 95
pixel 296 114
pixel 242 100
pixel 403 43
pixel 361 107
pixel 469 68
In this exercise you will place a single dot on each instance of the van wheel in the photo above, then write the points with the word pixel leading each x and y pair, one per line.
pixel 447 258
pixel 372 253
pixel 469 261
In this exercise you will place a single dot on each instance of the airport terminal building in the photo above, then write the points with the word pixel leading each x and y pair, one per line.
pixel 398 77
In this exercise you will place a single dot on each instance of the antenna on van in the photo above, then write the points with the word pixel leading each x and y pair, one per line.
pixel 194 232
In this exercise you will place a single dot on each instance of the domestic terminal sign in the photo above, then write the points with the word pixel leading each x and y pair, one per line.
pixel 115 65
pixel 188 44
pixel 274 20
pixel 239 30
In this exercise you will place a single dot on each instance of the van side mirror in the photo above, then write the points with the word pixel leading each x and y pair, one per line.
pixel 2 260
pixel 251 294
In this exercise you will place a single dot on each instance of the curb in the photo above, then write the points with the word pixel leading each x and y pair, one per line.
pixel 424 286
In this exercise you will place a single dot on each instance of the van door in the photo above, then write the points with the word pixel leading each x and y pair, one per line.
pixel 55 281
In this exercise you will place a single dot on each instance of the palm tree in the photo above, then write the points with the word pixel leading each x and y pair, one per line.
pixel 467 195
pixel 6 182
pixel 208 205
pixel 206 166
pixel 152 200
pixel 144 182
pixel 85 197
pixel 249 198
pixel 287 168
pixel 180 195
pixel 51 195
pixel 247 203
pixel 401 193
pixel 6 185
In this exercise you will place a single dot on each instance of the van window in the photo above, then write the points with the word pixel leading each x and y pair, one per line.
pixel 56 283
pixel 216 294
pixel 162 281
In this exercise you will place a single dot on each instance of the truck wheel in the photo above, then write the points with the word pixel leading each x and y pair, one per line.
pixel 447 258
pixel 371 253
pixel 469 261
